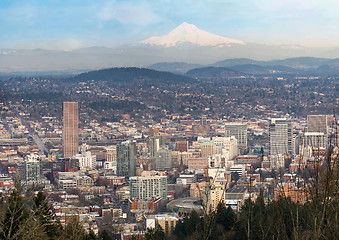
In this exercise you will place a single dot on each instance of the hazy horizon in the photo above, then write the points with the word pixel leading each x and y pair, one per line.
pixel 74 31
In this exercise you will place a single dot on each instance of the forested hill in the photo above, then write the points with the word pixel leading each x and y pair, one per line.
pixel 213 72
pixel 131 75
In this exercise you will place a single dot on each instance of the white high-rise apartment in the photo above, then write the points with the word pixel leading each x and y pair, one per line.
pixel 145 188
pixel 280 133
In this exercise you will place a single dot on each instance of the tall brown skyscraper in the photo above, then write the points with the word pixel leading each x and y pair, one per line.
pixel 70 129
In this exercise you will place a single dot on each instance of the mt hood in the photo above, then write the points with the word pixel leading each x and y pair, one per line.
pixel 189 33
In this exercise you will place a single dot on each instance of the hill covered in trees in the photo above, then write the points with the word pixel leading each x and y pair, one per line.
pixel 213 73
pixel 174 67
pixel 131 75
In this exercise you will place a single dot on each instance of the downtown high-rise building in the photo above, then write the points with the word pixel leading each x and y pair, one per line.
pixel 86 159
pixel 163 159
pixel 239 131
pixel 111 154
pixel 317 123
pixel 181 146
pixel 280 144
pixel 316 136
pixel 280 133
pixel 207 149
pixel 311 141
pixel 70 133
pixel 155 143
pixel 111 158
pixel 146 188
pixel 126 161
pixel 30 169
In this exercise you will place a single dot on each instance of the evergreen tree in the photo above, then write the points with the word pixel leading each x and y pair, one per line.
pixel 229 219
pixel 74 230
pixel 221 211
pixel 155 234
pixel 225 220
pixel 235 176
pixel 90 236
pixel 104 235
pixel 260 224
pixel 43 212
pixel 242 225
pixel 179 230
pixel 31 229
pixel 15 215
pixel 192 223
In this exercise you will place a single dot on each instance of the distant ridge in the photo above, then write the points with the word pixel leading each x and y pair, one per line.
pixel 297 62
pixel 259 69
pixel 237 61
pixel 300 65
pixel 174 67
pixel 213 72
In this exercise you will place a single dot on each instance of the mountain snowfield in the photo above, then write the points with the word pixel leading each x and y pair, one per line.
pixel 189 33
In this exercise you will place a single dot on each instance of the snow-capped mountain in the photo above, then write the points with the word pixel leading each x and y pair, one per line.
pixel 186 43
pixel 189 33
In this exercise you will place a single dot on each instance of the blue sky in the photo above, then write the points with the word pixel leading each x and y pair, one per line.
pixel 81 23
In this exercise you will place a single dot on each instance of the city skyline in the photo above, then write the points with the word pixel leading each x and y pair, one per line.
pixel 77 24
pixel 156 146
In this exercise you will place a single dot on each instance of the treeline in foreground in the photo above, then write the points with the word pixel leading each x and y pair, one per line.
pixel 30 217
pixel 282 219
pixel 317 218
